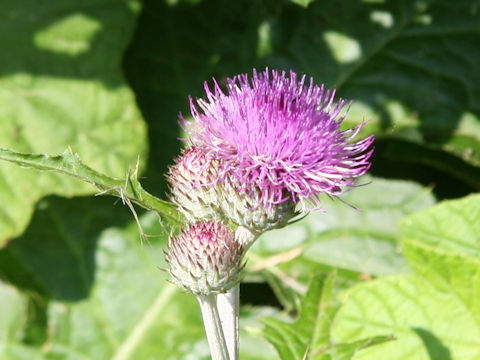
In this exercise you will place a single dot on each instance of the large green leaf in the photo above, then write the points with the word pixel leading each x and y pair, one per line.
pixel 12 308
pixel 61 85
pixel 365 240
pixel 356 242
pixel 310 333
pixel 55 256
pixel 434 313
pixel 453 226
pixel 410 66
pixel 309 336
pixel 362 241
pixel 13 326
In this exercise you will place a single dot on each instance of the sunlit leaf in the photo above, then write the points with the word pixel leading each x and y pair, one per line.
pixel 359 242
pixel 433 313
pixel 309 336
pixel 61 85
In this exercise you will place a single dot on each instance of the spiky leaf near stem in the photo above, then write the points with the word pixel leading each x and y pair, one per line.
pixel 129 189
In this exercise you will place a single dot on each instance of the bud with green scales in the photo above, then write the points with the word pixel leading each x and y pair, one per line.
pixel 190 180
pixel 205 259
pixel 199 197
pixel 246 209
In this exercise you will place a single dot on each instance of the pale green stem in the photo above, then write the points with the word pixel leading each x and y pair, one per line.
pixel 228 307
pixel 228 304
pixel 213 327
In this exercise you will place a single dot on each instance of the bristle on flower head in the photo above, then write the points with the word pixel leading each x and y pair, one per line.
pixel 205 258
pixel 278 135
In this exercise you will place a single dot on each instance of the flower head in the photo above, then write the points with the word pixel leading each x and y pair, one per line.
pixel 205 258
pixel 278 138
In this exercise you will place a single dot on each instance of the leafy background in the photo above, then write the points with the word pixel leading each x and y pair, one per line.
pixel 108 79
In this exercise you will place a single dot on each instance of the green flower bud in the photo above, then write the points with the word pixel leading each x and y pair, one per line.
pixel 199 197
pixel 246 209
pixel 191 188
pixel 205 258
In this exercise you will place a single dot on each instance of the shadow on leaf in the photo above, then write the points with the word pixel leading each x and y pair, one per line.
pixel 436 350
pixel 55 256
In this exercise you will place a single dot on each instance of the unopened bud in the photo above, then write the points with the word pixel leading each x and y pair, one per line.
pixel 199 196
pixel 205 258
pixel 191 188
pixel 247 210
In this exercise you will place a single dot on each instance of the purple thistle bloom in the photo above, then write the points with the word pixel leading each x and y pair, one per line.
pixel 279 135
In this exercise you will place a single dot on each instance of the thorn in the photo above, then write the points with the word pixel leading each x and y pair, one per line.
pixel 102 192
pixel 137 166
pixel 137 220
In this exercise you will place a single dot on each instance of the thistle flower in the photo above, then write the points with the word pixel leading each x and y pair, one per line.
pixel 277 139
pixel 205 258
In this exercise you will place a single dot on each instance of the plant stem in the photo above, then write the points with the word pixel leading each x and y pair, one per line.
pixel 228 307
pixel 228 304
pixel 213 327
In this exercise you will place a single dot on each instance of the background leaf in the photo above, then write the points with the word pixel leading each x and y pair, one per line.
pixel 308 337
pixel 12 322
pixel 433 312
pixel 307 334
pixel 61 85
pixel 359 243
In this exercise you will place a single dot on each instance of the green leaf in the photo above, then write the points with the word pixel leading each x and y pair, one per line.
pixel 404 152
pixel 309 336
pixel 358 243
pixel 452 226
pixel 347 351
pixel 12 326
pixel 409 67
pixel 61 85
pixel 54 241
pixel 12 307
pixel 69 163
pixel 433 313
pixel 364 240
